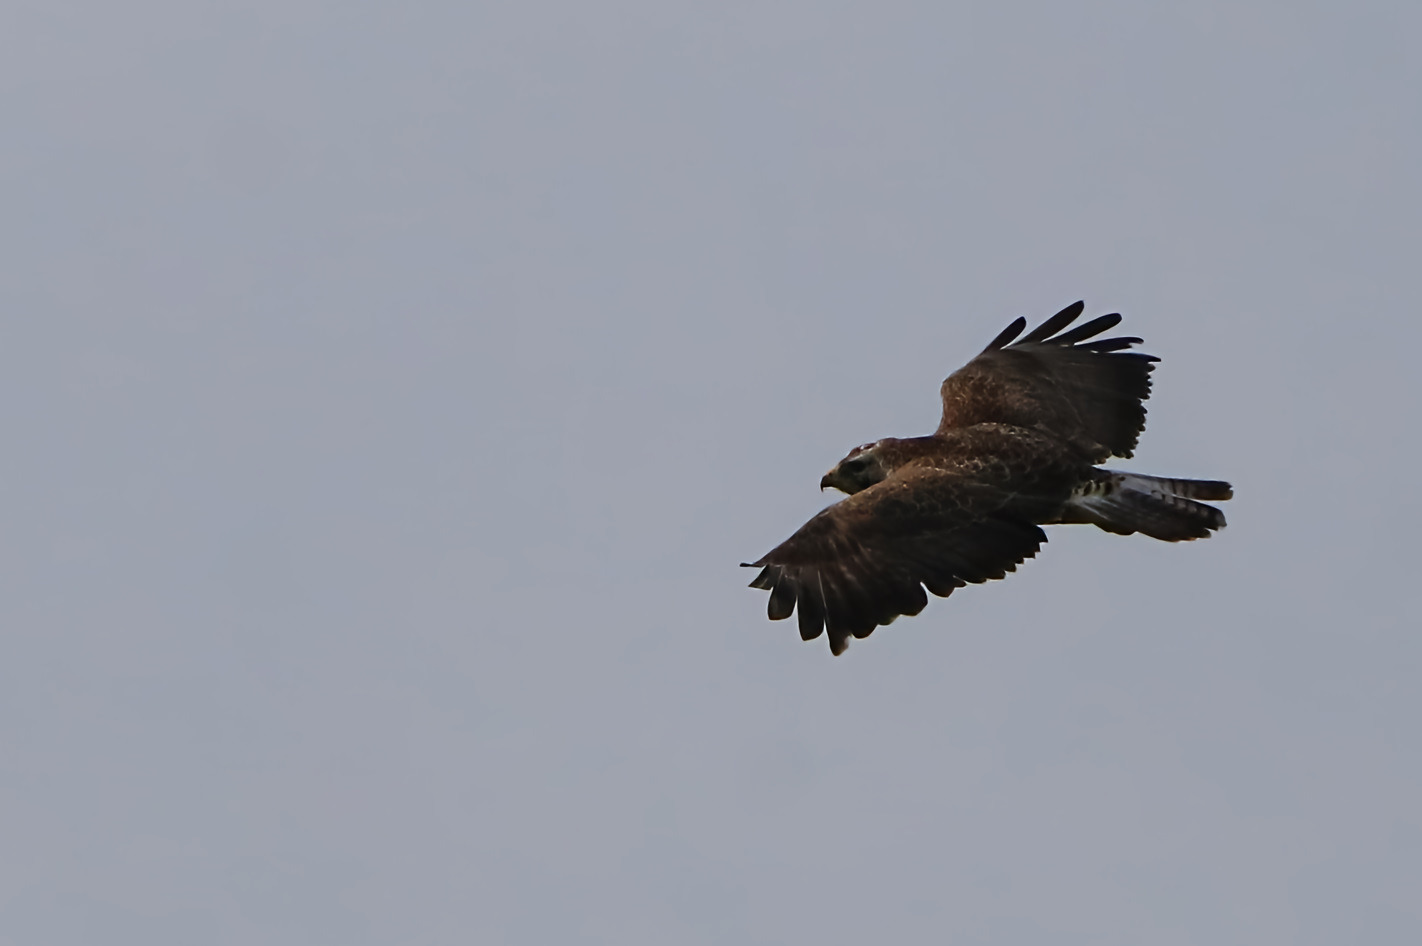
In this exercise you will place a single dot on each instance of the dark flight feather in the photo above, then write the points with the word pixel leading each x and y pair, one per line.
pixel 1007 334
pixel 812 609
pixel 1087 329
pixel 782 598
pixel 1055 324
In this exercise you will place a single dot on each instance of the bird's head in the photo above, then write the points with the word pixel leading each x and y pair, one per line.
pixel 862 468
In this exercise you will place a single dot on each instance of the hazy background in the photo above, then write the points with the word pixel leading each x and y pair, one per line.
pixel 389 392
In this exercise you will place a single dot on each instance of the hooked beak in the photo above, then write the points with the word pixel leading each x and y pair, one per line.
pixel 826 481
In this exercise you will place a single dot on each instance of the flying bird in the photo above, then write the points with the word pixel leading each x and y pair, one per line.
pixel 1025 426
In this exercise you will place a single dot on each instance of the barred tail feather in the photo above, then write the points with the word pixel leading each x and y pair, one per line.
pixel 1158 506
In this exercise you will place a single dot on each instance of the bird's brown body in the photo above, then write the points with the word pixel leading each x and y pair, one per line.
pixel 1024 427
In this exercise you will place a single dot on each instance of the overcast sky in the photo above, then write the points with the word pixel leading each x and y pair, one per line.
pixel 389 392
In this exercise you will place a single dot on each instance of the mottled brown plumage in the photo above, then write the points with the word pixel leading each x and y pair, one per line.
pixel 1024 425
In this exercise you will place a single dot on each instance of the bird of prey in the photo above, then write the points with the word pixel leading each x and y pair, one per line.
pixel 1025 425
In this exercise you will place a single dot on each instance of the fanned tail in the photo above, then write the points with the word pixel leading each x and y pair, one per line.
pixel 1158 506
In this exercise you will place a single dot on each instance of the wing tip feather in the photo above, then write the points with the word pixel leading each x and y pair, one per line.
pixel 1008 334
pixel 1054 324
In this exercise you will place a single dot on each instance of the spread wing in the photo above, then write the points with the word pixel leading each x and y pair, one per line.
pixel 866 560
pixel 1088 392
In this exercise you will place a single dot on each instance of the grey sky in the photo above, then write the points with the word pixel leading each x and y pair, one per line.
pixel 390 392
